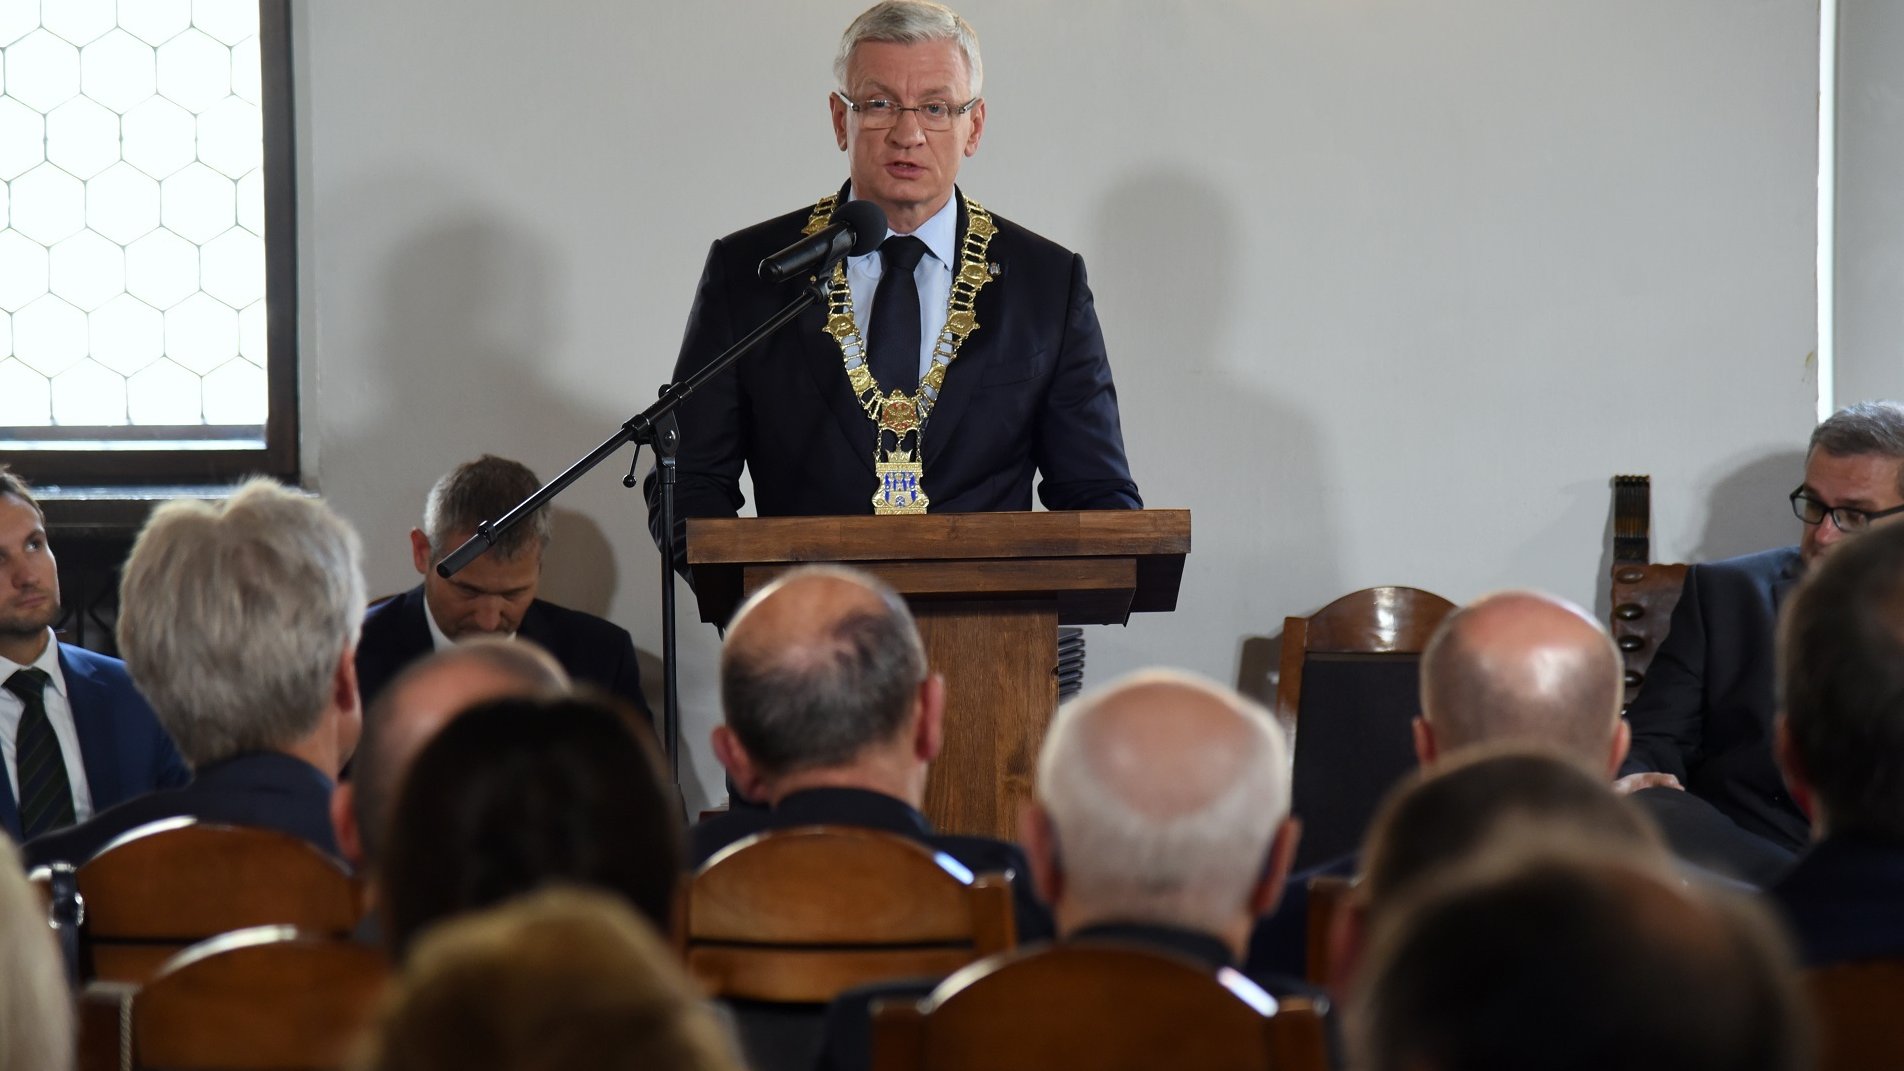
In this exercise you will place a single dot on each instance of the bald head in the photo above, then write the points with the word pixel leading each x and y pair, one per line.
pixel 1163 793
pixel 1524 667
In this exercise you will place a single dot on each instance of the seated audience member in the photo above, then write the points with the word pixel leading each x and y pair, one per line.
pixel 81 738
pixel 1841 743
pixel 36 1010
pixel 1703 719
pixel 517 794
pixel 832 718
pixel 495 595
pixel 237 621
pixel 1531 961
pixel 563 978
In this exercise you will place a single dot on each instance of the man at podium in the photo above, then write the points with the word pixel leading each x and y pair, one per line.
pixel 944 367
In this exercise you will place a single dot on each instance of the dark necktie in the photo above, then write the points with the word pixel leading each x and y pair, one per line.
pixel 46 795
pixel 895 326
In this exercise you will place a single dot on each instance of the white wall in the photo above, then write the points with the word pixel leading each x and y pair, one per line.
pixel 1391 288
pixel 1869 230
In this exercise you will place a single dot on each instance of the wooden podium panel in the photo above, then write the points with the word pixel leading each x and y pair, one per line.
pixel 989 591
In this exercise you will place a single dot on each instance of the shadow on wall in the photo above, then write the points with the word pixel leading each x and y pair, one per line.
pixel 1192 344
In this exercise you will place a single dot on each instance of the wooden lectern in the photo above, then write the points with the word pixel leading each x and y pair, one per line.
pixel 989 590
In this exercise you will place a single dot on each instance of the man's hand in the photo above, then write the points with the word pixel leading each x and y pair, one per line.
pixel 1632 783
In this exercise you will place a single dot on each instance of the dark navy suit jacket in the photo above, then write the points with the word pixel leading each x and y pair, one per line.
pixel 125 752
pixel 265 789
pixel 1844 900
pixel 1705 711
pixel 592 650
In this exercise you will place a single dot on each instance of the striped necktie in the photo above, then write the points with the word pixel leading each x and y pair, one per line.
pixel 46 794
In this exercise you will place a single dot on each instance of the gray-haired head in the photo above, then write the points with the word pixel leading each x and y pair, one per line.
pixel 818 666
pixel 234 617
pixel 911 22
pixel 1873 427
pixel 484 490
pixel 1164 792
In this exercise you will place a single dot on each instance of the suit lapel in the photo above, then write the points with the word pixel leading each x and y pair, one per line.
pixel 962 377
pixel 91 703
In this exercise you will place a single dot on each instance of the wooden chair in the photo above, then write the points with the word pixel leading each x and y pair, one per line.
pixel 269 998
pixel 168 885
pixel 799 915
pixel 1097 1006
pixel 1859 1011
pixel 1348 682
pixel 1328 898
pixel 1643 592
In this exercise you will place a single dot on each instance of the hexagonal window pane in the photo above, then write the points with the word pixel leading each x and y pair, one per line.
pixel 201 333
pixel 42 71
pixel 22 138
pixel 17 19
pixel 165 394
pixel 82 136
pixel 118 70
pixel 159 137
pixel 22 270
pixel 155 21
pixel 49 335
pixel 25 400
pixel 246 70
pixel 253 339
pixel 194 70
pixel 78 21
pixel 228 21
pixel 161 269
pixel 47 204
pixel 236 394
pixel 251 202
pixel 87 270
pixel 231 267
pixel 231 137
pixel 198 202
pixel 127 334
pixel 89 396
pixel 122 203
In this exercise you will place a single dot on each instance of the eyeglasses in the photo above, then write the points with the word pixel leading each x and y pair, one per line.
pixel 882 114
pixel 1847 518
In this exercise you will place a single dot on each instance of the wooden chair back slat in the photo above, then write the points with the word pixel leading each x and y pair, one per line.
pixel 1328 898
pixel 1859 1010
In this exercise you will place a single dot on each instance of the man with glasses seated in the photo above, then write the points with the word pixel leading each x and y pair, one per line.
pixel 1702 722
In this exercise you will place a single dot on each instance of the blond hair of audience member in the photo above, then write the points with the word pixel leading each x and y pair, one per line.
pixel 1162 798
pixel 1535 958
pixel 417 703
pixel 238 621
pixel 36 1011
pixel 562 978
pixel 1526 667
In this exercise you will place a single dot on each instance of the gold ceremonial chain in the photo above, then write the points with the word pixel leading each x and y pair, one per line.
pixel 899 414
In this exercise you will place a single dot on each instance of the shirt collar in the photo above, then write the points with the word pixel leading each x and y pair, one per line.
pixel 439 641
pixel 48 663
pixel 940 233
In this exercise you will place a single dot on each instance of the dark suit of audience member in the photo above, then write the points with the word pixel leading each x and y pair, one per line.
pixel 1844 900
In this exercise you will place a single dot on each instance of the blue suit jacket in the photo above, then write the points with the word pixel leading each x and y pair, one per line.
pixel 125 752
pixel 1845 900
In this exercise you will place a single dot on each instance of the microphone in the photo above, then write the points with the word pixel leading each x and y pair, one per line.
pixel 857 229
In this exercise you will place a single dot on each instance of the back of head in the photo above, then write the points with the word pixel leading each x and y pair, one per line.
pixel 563 978
pixel 234 617
pixel 1841 684
pixel 1533 961
pixel 484 490
pixel 36 1013
pixel 1874 427
pixel 515 794
pixel 1164 792
pixel 819 666
pixel 1523 666
pixel 1463 808
pixel 911 22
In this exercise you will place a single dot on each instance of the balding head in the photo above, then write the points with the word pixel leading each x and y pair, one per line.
pixel 1523 667
pixel 823 670
pixel 1158 800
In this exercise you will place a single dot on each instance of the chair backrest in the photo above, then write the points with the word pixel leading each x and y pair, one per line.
pixel 162 887
pixel 1349 682
pixel 1642 592
pixel 799 915
pixel 1098 1006
pixel 1328 898
pixel 271 998
pixel 1859 1011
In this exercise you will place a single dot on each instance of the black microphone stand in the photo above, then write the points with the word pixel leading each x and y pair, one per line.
pixel 654 426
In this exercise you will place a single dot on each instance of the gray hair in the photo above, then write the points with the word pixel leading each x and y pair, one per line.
pixel 36 1011
pixel 233 618
pixel 1875 427
pixel 838 693
pixel 484 490
pixel 1193 869
pixel 912 22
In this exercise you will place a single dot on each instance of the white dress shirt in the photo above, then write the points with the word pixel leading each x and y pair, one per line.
pixel 933 276
pixel 59 712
